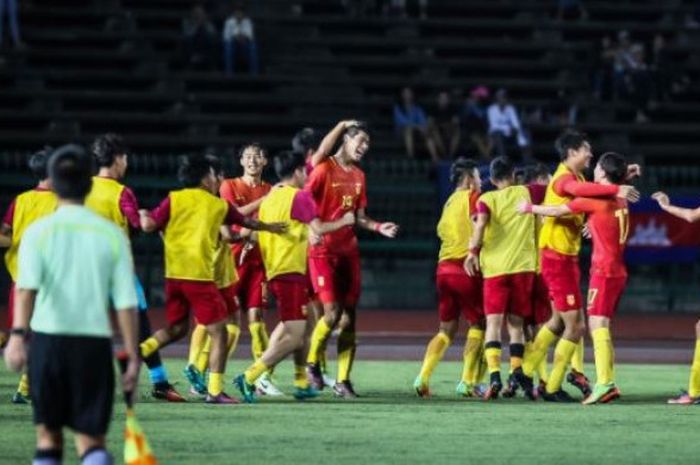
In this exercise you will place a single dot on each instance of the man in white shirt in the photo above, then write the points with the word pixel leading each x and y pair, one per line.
pixel 504 125
pixel 239 34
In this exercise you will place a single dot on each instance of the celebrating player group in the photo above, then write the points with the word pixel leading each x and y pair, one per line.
pixel 509 255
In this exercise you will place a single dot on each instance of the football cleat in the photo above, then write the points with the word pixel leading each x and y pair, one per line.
pixel 166 391
pixel 266 387
pixel 580 382
pixel 511 388
pixel 684 399
pixel 196 379
pixel 305 393
pixel 421 388
pixel 345 390
pixel 526 384
pixel 247 390
pixel 20 399
pixel 315 377
pixel 602 394
pixel 221 399
pixel 559 396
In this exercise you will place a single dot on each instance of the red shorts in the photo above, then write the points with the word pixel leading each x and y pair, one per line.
pixel 458 293
pixel 292 297
pixel 336 278
pixel 509 293
pixel 251 286
pixel 202 297
pixel 11 306
pixel 541 305
pixel 563 278
pixel 604 295
pixel 230 299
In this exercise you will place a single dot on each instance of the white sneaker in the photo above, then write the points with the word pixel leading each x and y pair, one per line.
pixel 328 381
pixel 266 387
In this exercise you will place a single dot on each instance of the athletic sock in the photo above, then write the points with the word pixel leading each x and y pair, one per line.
pixel 255 371
pixel 257 343
pixel 233 332
pixel 23 386
pixel 346 354
pixel 433 354
pixel 322 361
pixel 216 383
pixel 492 352
pixel 318 340
pixel 577 357
pixel 149 346
pixel 694 384
pixel 602 349
pixel 48 457
pixel 472 355
pixel 203 357
pixel 483 367
pixel 301 381
pixel 158 375
pixel 517 352
pixel 96 456
pixel 562 356
pixel 197 340
pixel 545 337
pixel 542 372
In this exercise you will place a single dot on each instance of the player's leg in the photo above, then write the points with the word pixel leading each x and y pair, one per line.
pixel 576 376
pixel 692 395
pixel 470 303
pixel 519 310
pixel 177 319
pixel 21 395
pixel 49 446
pixel 316 313
pixel 92 450
pixel 562 356
pixel 448 311
pixel 497 295
pixel 349 277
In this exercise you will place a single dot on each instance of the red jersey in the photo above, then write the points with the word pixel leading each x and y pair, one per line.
pixel 608 222
pixel 238 192
pixel 337 190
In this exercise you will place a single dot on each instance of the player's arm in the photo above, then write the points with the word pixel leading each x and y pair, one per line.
pixel 691 215
pixel 5 240
pixel 328 142
pixel 234 217
pixel 252 207
pixel 6 226
pixel 471 263
pixel 544 210
pixel 129 206
pixel 569 185
pixel 387 229
pixel 320 228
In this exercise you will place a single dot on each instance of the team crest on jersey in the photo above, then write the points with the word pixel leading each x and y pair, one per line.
pixel 321 281
pixel 358 188
pixel 570 299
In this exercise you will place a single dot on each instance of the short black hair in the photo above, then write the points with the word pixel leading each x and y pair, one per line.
pixel 39 163
pixel 460 168
pixel 355 129
pixel 70 170
pixel 532 172
pixel 307 139
pixel 194 168
pixel 570 139
pixel 252 145
pixel 107 147
pixel 615 167
pixel 287 162
pixel 501 168
pixel 216 163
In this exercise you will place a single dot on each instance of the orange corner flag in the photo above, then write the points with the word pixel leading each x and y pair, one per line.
pixel 137 451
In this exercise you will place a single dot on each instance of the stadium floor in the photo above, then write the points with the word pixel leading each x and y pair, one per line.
pixel 390 425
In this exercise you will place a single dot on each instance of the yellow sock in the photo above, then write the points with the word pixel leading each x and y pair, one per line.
pixel 483 366
pixel 602 349
pixel 216 383
pixel 577 357
pixel 322 357
pixel 562 356
pixel 346 354
pixel 23 386
pixel 197 340
pixel 542 373
pixel 257 345
pixel 255 371
pixel 493 356
pixel 300 379
pixel 472 355
pixel 694 383
pixel 149 346
pixel 233 332
pixel 517 352
pixel 318 340
pixel 545 337
pixel 433 354
pixel 203 358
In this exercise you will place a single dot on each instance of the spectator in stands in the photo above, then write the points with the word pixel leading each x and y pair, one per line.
pixel 638 82
pixel 200 40
pixel 505 130
pixel 9 7
pixel 623 56
pixel 571 9
pixel 443 126
pixel 239 36
pixel 410 123
pixel 475 122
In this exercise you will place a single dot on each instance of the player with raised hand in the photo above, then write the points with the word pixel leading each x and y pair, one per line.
pixel 608 223
pixel 692 395
pixel 560 241
pixel 458 293
pixel 24 210
pixel 338 186
pixel 117 203
pixel 503 248
pixel 285 259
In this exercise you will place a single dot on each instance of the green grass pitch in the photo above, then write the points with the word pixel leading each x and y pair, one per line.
pixel 389 425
